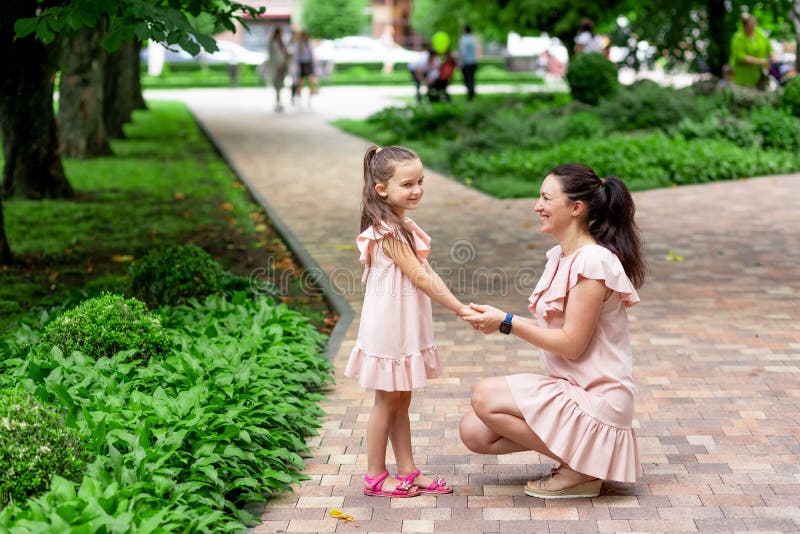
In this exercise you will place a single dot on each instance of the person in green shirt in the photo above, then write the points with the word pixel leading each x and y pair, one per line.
pixel 750 53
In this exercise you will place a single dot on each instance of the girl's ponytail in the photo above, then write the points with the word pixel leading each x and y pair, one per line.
pixel 610 216
pixel 379 166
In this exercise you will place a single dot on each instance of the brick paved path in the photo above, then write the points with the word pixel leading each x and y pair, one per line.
pixel 716 340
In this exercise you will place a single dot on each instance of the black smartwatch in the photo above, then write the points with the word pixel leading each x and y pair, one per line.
pixel 505 326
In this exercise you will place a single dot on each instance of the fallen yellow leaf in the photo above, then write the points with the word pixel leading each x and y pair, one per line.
pixel 346 247
pixel 227 206
pixel 338 514
pixel 671 256
pixel 122 258
pixel 179 196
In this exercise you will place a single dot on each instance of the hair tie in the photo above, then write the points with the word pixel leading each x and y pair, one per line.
pixel 378 150
pixel 602 181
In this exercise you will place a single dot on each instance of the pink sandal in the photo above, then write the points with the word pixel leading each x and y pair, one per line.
pixel 401 491
pixel 437 486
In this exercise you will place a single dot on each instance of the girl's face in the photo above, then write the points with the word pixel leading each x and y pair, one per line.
pixel 555 209
pixel 403 191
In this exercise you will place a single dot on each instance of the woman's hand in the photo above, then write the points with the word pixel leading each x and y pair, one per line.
pixel 486 319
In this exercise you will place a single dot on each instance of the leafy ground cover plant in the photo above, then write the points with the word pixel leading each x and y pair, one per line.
pixel 182 442
pixel 102 326
pixel 36 445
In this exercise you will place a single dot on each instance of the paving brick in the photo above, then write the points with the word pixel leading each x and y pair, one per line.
pixel 715 342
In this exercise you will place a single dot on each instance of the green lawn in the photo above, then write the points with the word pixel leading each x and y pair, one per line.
pixel 165 184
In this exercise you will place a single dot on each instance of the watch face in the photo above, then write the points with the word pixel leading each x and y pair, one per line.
pixel 505 328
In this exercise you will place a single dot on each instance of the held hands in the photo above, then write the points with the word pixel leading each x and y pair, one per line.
pixel 484 318
pixel 465 311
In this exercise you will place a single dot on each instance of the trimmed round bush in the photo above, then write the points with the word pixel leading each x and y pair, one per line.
pixel 591 77
pixel 174 274
pixel 790 99
pixel 102 326
pixel 36 445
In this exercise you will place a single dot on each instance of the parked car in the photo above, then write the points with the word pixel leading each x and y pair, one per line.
pixel 358 49
pixel 228 53
pixel 231 53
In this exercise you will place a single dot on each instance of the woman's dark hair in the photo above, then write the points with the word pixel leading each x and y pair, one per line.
pixel 587 26
pixel 610 214
pixel 379 166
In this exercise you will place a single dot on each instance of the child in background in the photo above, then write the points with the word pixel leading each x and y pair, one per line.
pixel 395 352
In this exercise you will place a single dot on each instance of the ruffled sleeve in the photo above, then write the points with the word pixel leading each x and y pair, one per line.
pixel 561 274
pixel 367 240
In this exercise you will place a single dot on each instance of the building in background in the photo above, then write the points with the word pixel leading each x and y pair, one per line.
pixel 385 16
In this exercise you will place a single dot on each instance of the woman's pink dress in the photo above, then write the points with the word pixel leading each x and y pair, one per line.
pixel 395 350
pixel 583 409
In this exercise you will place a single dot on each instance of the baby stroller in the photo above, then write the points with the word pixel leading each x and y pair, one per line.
pixel 437 90
pixel 780 72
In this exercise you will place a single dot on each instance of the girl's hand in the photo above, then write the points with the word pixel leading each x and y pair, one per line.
pixel 486 319
pixel 465 311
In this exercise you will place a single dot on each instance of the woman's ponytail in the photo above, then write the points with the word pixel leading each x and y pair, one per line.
pixel 610 216
pixel 617 230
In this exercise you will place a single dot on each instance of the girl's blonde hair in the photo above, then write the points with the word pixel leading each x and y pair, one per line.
pixel 379 166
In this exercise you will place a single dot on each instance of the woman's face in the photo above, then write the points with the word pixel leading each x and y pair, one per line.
pixel 553 207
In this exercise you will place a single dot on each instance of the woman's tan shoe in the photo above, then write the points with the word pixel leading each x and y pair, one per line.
pixel 584 489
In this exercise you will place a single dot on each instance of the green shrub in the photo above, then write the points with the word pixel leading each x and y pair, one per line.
pixel 646 106
pixel 172 275
pixel 790 99
pixel 591 77
pixel 35 446
pixel 777 128
pixel 102 326
pixel 738 131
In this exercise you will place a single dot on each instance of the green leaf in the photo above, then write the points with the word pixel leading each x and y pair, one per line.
pixel 23 28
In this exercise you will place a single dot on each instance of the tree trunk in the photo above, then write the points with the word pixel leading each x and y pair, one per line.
pixel 80 110
pixel 136 76
pixel 794 14
pixel 33 166
pixel 122 88
pixel 5 250
pixel 718 36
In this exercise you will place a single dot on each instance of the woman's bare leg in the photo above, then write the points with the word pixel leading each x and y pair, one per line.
pixel 496 426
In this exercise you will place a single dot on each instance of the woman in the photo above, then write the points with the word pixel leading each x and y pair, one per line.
pixel 278 63
pixel 751 52
pixel 580 412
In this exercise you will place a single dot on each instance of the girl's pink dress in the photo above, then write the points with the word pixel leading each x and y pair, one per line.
pixel 583 409
pixel 395 350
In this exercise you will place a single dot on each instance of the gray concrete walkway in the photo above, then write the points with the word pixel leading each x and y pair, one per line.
pixel 716 339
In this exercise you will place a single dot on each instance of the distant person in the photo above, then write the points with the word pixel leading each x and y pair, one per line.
pixel 468 59
pixel 422 69
pixel 586 41
pixel 387 40
pixel 304 56
pixel 750 54
pixel 727 77
pixel 277 64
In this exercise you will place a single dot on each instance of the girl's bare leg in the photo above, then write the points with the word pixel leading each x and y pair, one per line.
pixel 381 423
pixel 400 436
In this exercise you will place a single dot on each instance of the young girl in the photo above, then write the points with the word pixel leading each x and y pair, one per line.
pixel 395 351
